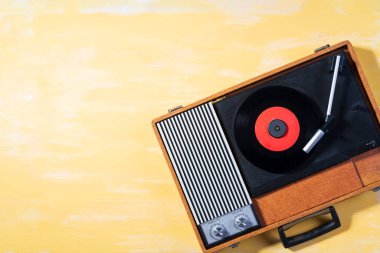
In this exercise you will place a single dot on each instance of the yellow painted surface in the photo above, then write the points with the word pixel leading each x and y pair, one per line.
pixel 80 81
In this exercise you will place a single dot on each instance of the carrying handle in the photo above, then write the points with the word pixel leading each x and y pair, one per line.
pixel 309 235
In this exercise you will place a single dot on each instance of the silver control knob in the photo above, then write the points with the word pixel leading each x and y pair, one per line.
pixel 218 232
pixel 242 222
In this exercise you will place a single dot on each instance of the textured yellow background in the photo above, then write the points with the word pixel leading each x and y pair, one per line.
pixel 80 81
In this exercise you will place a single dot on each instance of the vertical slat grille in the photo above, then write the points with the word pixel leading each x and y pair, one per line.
pixel 203 162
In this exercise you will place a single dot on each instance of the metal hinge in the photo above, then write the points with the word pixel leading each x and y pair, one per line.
pixel 235 245
pixel 321 48
pixel 217 100
pixel 174 108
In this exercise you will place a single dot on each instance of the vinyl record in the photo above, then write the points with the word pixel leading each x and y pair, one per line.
pixel 273 125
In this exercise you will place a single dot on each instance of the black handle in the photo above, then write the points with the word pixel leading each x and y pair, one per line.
pixel 309 235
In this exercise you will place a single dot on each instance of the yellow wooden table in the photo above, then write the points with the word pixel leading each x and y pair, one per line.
pixel 80 81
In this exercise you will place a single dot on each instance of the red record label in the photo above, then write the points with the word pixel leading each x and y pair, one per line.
pixel 289 124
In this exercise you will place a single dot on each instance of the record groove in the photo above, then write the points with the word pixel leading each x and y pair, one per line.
pixel 255 123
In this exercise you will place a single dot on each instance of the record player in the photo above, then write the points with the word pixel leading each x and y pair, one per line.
pixel 275 150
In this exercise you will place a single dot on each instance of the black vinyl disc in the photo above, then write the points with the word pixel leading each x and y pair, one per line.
pixel 304 118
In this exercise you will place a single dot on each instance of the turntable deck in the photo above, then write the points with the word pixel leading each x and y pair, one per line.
pixel 284 182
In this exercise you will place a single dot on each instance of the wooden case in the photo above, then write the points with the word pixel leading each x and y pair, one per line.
pixel 355 176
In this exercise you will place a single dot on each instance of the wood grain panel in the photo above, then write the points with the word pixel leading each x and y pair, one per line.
pixel 308 193
pixel 368 166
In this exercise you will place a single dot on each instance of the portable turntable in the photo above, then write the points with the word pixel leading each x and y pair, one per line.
pixel 275 150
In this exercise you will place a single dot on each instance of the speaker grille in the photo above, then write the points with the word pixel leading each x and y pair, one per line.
pixel 203 162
